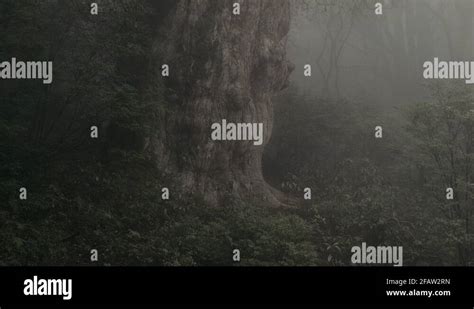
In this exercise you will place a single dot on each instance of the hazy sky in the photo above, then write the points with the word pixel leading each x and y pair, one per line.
pixel 358 55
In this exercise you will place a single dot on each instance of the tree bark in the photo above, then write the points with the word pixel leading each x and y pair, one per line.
pixel 222 66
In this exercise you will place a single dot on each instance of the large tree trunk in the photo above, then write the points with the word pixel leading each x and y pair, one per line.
pixel 222 66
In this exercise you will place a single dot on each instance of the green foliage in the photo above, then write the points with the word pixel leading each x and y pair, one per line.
pixel 106 195
pixel 444 158
pixel 381 192
pixel 105 75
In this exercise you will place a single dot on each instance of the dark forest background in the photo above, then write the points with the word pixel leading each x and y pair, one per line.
pixel 105 194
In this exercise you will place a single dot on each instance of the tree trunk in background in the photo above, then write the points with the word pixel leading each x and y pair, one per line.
pixel 221 67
